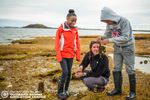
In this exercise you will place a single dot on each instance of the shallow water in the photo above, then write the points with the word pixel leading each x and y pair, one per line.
pixel 7 35
pixel 142 63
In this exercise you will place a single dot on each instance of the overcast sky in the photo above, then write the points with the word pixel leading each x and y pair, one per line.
pixel 53 12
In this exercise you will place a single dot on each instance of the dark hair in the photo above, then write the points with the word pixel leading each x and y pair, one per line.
pixel 93 42
pixel 71 12
pixel 101 48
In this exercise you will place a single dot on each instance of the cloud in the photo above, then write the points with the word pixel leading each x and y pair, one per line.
pixel 53 12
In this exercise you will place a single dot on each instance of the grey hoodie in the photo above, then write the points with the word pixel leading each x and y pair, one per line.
pixel 120 32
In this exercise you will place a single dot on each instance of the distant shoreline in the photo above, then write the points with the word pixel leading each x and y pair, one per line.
pixel 138 36
pixel 10 34
pixel 78 28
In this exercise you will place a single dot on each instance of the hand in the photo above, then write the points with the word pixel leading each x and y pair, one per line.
pixel 105 41
pixel 80 68
pixel 79 74
pixel 99 39
pixel 78 55
pixel 59 58
pixel 78 59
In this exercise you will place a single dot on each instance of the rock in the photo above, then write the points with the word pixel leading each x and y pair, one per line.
pixel 41 87
pixel 141 62
pixel 2 78
pixel 1 69
pixel 31 41
pixel 9 85
pixel 145 61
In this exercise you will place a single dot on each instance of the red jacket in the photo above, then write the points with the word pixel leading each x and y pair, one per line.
pixel 67 43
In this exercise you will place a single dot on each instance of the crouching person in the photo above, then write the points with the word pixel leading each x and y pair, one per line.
pixel 96 78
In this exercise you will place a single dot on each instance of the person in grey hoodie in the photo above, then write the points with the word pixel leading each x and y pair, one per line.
pixel 119 32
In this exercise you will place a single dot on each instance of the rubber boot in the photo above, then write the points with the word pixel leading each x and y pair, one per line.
pixel 117 75
pixel 67 85
pixel 61 89
pixel 132 81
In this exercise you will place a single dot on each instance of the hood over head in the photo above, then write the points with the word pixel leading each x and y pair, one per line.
pixel 108 14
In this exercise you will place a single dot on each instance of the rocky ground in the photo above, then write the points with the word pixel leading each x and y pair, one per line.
pixel 25 65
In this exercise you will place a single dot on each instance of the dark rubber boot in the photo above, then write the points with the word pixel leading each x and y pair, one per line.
pixel 61 89
pixel 132 81
pixel 67 85
pixel 117 75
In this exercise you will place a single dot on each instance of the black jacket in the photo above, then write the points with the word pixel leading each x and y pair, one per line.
pixel 98 63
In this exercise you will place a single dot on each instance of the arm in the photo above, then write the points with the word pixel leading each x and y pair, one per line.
pixel 78 47
pixel 85 62
pixel 80 71
pixel 57 44
pixel 106 73
pixel 104 39
pixel 126 33
pixel 107 33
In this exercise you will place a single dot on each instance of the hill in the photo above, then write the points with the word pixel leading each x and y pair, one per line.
pixel 35 26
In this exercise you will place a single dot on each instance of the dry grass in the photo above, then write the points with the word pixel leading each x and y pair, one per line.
pixel 142 36
pixel 46 45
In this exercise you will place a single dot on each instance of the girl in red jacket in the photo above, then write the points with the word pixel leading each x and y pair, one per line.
pixel 67 45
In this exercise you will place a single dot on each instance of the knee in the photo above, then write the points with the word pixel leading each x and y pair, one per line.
pixel 117 69
pixel 65 74
pixel 87 83
pixel 130 69
pixel 130 72
pixel 102 81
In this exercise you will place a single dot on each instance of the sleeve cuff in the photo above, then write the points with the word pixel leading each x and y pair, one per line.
pixel 103 37
pixel 84 74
